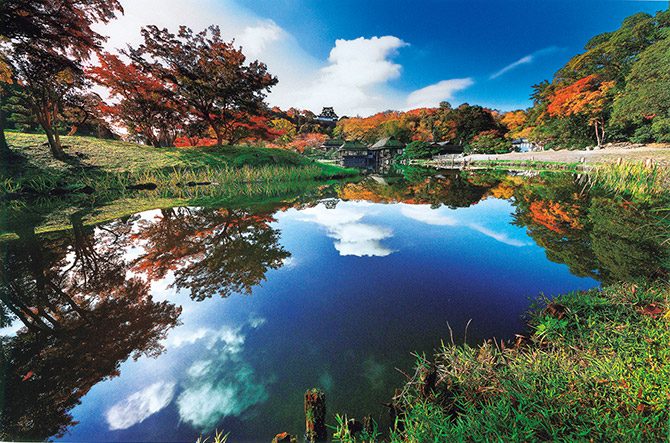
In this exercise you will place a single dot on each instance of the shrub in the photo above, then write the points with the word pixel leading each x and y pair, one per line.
pixel 660 128
pixel 489 142
pixel 643 134
pixel 419 149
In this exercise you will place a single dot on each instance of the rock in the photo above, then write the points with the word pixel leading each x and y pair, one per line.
pixel 59 191
pixel 143 186
pixel 285 437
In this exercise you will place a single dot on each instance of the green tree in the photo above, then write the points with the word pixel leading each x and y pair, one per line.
pixel 419 149
pixel 646 95
pixel 490 142
pixel 47 82
pixel 287 130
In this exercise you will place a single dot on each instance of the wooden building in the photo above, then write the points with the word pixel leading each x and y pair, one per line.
pixel 355 154
pixel 385 150
pixel 332 144
pixel 523 145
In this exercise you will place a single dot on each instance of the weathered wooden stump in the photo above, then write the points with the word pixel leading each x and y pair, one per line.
pixel 315 416
pixel 285 437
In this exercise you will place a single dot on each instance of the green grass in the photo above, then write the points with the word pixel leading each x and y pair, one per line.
pixel 219 437
pixel 633 180
pixel 49 214
pixel 111 166
pixel 596 367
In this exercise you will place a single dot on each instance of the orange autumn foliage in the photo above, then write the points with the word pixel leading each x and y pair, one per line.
pixel 515 122
pixel 555 216
pixel 585 96
pixel 588 97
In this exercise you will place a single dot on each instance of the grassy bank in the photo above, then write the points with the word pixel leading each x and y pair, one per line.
pixel 595 367
pixel 633 180
pixel 97 165
pixel 51 214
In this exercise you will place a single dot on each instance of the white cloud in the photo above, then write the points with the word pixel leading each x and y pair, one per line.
pixel 222 383
pixel 354 79
pixel 498 236
pixel 432 95
pixel 525 60
pixel 228 339
pixel 139 406
pixel 437 217
pixel 255 39
pixel 352 236
pixel 427 215
pixel 522 61
pixel 226 389
pixel 363 61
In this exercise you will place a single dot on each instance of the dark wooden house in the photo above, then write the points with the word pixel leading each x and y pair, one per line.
pixel 385 150
pixel 332 145
pixel 355 154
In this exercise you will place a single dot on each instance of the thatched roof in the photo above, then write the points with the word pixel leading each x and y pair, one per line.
pixel 387 143
pixel 354 145
pixel 333 143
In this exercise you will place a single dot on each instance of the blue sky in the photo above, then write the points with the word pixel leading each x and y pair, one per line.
pixel 325 52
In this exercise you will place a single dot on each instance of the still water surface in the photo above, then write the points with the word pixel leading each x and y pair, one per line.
pixel 176 322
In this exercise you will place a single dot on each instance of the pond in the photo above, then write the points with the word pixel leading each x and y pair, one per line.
pixel 174 322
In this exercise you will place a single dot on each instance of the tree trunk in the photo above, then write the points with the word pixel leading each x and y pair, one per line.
pixel 54 142
pixel 595 127
pixel 4 147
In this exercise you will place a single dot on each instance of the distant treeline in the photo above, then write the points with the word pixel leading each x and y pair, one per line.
pixel 617 90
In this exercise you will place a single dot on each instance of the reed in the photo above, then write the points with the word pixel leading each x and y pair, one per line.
pixel 632 179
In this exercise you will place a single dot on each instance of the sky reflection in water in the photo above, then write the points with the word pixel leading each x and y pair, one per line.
pixel 364 286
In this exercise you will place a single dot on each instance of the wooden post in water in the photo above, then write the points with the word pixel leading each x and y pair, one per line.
pixel 315 416
pixel 285 437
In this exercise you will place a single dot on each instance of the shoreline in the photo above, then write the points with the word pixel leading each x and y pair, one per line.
pixel 657 154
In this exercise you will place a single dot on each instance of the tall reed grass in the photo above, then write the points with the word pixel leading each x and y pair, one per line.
pixel 176 182
pixel 632 179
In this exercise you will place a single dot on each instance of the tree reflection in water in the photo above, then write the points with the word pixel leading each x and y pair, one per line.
pixel 210 251
pixel 84 303
pixel 85 307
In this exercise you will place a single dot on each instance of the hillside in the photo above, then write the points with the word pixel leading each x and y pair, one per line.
pixel 94 162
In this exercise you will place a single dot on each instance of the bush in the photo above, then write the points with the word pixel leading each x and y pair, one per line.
pixel 489 142
pixel 660 128
pixel 419 149
pixel 643 134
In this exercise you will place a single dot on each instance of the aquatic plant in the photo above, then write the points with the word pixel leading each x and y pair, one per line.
pixel 219 437
pixel 636 180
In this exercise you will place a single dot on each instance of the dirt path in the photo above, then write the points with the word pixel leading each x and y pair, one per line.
pixel 660 154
